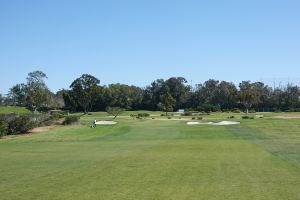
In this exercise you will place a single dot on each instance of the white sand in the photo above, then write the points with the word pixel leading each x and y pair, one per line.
pixel 259 116
pixel 226 123
pixel 288 117
pixel 173 119
pixel 222 123
pixel 193 123
pixel 105 122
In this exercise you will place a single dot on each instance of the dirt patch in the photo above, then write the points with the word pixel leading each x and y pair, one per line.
pixel 41 129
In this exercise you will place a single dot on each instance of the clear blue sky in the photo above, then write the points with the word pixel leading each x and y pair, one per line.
pixel 136 42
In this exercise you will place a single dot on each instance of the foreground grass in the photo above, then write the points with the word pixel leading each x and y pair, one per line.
pixel 152 159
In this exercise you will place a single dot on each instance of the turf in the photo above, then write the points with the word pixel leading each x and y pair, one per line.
pixel 13 109
pixel 152 159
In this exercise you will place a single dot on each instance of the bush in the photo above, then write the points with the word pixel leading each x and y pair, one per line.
pixel 11 124
pixel 294 110
pixel 143 115
pixel 3 128
pixel 189 113
pixel 21 124
pixel 42 120
pixel 133 116
pixel 193 118
pixel 169 117
pixel 247 117
pixel 231 117
pixel 167 114
pixel 72 119
pixel 236 110
pixel 56 116
pixel 252 111
pixel 208 108
pixel 18 123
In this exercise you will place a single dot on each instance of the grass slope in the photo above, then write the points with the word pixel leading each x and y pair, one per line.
pixel 152 159
pixel 13 109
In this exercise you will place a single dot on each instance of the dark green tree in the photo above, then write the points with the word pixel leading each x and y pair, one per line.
pixel 84 91
pixel 179 90
pixel 37 93
pixel 17 94
pixel 167 102
pixel 248 95
pixel 34 94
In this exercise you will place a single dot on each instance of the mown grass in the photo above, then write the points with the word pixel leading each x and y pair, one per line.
pixel 155 159
pixel 13 109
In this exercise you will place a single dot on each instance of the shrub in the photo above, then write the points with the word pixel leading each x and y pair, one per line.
pixel 252 111
pixel 133 116
pixel 42 119
pixel 21 124
pixel 294 110
pixel 247 117
pixel 12 124
pixel 72 119
pixel 56 116
pixel 169 114
pixel 18 123
pixel 143 115
pixel 199 118
pixel 3 128
pixel 236 110
pixel 193 118
pixel 231 117
pixel 189 113
pixel 169 117
pixel 208 108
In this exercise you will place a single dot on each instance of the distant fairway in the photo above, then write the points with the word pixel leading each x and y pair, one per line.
pixel 155 160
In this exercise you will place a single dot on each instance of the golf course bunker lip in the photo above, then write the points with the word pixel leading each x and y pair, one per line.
pixel 221 123
pixel 105 122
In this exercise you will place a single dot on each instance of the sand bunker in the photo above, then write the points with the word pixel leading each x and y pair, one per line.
pixel 288 117
pixel 105 122
pixel 222 123
pixel 41 129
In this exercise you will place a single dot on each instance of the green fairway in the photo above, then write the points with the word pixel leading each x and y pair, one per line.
pixel 155 160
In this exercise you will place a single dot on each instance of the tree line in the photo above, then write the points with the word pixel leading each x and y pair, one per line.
pixel 87 94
